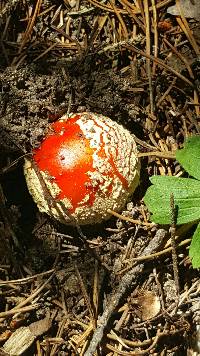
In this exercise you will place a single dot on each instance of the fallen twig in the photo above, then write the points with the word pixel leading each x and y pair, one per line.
pixel 117 294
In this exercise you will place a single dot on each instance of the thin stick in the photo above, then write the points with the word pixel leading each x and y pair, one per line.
pixel 186 29
pixel 161 154
pixel 160 62
pixel 126 218
pixel 26 279
pixel 155 34
pixel 30 26
pixel 118 293
pixel 19 310
pixel 148 52
pixel 173 243
pixel 30 298
pixel 179 55
pixel 155 255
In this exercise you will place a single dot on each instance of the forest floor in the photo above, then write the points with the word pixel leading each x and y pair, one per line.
pixel 93 290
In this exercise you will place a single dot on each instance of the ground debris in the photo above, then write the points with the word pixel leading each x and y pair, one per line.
pixel 24 336
pixel 188 8
pixel 137 63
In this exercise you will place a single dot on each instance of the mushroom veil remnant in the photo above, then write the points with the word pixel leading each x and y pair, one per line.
pixel 86 165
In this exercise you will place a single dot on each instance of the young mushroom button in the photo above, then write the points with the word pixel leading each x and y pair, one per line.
pixel 85 165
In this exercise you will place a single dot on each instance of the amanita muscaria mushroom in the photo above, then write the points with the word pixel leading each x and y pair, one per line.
pixel 86 165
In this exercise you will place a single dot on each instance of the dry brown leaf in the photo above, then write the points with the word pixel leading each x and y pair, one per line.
pixel 189 8
pixel 146 305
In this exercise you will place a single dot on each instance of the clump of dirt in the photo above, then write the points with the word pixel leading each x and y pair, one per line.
pixel 33 96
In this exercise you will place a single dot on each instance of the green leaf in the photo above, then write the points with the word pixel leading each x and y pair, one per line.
pixel 186 193
pixel 189 156
pixel 194 251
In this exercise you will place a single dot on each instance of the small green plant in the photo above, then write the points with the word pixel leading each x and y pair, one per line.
pixel 186 192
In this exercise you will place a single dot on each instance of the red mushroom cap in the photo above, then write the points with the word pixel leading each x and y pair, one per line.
pixel 85 165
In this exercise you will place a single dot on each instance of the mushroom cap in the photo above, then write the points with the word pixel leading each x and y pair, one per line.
pixel 86 165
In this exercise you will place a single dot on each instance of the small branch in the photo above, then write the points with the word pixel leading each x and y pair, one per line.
pixel 118 293
pixel 29 299
pixel 133 221
pixel 173 243
pixel 160 63
pixel 8 7
pixel 161 154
